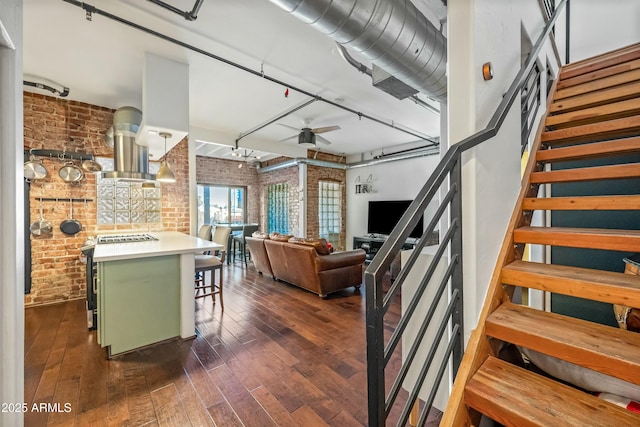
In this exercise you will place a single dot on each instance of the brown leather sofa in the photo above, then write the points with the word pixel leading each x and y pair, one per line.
pixel 259 256
pixel 300 264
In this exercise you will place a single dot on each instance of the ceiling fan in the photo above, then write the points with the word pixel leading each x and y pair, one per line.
pixel 308 136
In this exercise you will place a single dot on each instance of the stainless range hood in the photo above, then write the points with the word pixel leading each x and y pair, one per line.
pixel 131 159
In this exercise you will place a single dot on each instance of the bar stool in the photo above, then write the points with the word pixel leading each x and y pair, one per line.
pixel 247 230
pixel 204 263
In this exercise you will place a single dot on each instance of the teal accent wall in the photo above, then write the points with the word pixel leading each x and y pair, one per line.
pixel 590 258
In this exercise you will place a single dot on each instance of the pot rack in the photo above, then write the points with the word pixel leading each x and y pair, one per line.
pixel 61 199
pixel 60 155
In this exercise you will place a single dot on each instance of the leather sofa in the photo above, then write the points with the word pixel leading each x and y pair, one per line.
pixel 299 263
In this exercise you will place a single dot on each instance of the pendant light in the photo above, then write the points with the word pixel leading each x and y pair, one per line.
pixel 165 174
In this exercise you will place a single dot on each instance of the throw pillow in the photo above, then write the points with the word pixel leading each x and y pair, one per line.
pixel 260 235
pixel 320 245
pixel 280 237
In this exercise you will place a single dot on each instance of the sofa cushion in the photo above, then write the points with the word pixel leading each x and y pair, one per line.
pixel 275 236
pixel 260 235
pixel 320 245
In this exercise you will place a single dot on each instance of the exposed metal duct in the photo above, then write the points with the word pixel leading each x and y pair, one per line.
pixel 131 160
pixel 366 70
pixel 393 34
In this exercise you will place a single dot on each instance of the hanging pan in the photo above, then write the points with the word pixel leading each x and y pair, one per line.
pixel 34 169
pixel 70 226
pixel 41 227
pixel 70 173
pixel 90 165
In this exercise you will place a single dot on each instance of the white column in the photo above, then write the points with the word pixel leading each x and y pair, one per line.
pixel 302 188
pixel 187 302
pixel 11 211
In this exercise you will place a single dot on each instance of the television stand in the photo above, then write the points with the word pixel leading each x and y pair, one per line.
pixel 371 243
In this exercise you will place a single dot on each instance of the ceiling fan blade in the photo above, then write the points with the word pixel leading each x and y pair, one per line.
pixel 290 127
pixel 325 129
pixel 291 138
pixel 322 140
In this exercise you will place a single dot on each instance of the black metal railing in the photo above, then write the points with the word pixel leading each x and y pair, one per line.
pixel 529 105
pixel 435 343
pixel 549 6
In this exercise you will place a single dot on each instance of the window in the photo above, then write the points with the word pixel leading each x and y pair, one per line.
pixel 330 211
pixel 278 208
pixel 220 204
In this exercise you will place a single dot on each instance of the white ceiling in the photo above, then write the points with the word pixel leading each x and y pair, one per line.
pixel 101 61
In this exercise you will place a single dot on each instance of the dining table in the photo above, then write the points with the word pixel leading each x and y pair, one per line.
pixel 235 228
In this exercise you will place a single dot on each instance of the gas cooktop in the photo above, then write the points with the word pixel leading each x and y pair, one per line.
pixel 125 238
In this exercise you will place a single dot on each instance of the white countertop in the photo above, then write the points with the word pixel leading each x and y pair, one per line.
pixel 168 243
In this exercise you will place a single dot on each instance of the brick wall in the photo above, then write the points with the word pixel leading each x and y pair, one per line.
pixel 56 124
pixel 213 171
pixel 316 174
pixel 226 172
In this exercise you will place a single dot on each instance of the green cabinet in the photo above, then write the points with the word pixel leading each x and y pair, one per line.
pixel 138 302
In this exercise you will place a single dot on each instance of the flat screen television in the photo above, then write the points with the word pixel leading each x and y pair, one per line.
pixel 385 214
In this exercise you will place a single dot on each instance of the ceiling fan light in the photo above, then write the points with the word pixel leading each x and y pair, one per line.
pixel 307 139
pixel 165 174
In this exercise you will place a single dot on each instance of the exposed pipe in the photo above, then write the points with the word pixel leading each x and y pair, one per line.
pixel 89 9
pixel 188 15
pixel 408 150
pixel 62 94
pixel 299 160
pixel 431 151
pixel 283 115
pixel 366 70
pixel 428 150
pixel 353 61
pixel 393 34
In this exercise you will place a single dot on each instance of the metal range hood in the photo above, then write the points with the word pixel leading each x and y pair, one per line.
pixel 131 159
pixel 137 136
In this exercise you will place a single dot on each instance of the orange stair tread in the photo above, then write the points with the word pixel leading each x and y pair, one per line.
pixel 594 173
pixel 596 285
pixel 590 238
pixel 516 397
pixel 576 203
pixel 586 151
pixel 606 349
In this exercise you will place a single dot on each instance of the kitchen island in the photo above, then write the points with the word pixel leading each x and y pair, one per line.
pixel 145 290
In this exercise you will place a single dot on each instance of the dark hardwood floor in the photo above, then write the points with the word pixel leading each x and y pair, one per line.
pixel 277 356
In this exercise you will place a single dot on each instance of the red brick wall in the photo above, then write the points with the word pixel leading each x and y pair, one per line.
pixel 316 174
pixel 57 124
pixel 213 171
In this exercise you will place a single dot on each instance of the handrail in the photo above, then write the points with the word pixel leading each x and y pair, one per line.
pixel 378 302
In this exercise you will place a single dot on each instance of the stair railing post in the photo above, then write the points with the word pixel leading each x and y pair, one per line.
pixel 457 317
pixel 375 350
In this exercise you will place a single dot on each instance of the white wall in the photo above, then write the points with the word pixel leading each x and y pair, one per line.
pixel 398 180
pixel 11 212
pixel 482 31
pixel 599 26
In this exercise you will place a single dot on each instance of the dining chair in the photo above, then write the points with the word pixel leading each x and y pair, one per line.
pixel 211 263
pixel 247 230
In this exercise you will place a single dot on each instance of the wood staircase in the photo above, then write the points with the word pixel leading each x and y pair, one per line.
pixel 593 112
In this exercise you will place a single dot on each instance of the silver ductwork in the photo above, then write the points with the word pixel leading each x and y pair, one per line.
pixel 393 34
pixel 131 160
